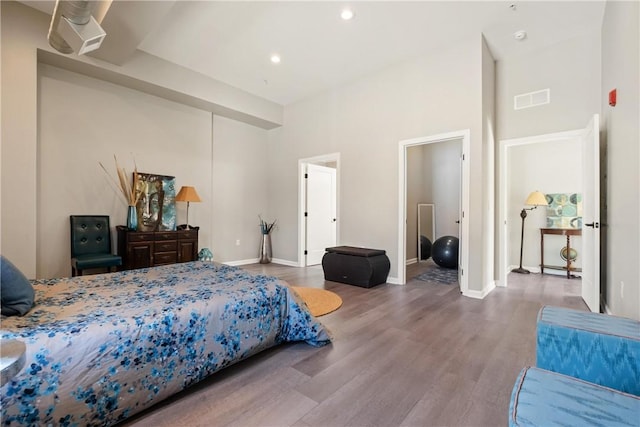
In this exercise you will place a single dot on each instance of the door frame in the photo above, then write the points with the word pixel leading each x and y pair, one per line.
pixel 465 136
pixel 503 187
pixel 302 200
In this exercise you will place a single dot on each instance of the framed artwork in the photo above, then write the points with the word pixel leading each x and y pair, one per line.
pixel 564 210
pixel 156 206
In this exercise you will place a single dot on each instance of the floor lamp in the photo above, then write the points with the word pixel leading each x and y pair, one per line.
pixel 187 194
pixel 535 199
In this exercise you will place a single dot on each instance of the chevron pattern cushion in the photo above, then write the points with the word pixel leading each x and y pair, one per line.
pixel 544 398
pixel 593 347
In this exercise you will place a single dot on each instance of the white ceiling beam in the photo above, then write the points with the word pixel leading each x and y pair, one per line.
pixel 127 23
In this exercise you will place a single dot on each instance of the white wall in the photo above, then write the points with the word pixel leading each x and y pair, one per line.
pixel 240 193
pixel 83 121
pixel 621 133
pixel 365 121
pixel 549 167
pixel 570 69
pixel 442 164
pixel 488 163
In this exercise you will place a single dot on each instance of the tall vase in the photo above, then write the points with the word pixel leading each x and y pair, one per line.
pixel 265 249
pixel 132 218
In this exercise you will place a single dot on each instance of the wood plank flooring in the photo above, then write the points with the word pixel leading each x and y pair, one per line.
pixel 414 355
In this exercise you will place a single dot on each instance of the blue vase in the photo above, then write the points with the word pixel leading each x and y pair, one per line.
pixel 132 218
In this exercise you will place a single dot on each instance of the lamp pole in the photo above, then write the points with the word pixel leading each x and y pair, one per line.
pixel 523 215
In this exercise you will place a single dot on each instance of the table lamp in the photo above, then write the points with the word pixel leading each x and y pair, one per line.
pixel 187 194
pixel 535 199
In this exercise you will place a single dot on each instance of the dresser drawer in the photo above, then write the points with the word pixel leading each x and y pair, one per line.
pixel 188 234
pixel 160 258
pixel 139 237
pixel 169 235
pixel 165 246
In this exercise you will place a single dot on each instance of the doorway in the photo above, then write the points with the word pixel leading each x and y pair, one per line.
pixel 433 196
pixel 584 145
pixel 463 203
pixel 318 207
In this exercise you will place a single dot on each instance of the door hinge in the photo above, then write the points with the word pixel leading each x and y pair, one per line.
pixel 306 214
pixel 305 252
pixel 463 157
pixel 306 175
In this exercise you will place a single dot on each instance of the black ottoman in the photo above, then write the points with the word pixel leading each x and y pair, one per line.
pixel 356 266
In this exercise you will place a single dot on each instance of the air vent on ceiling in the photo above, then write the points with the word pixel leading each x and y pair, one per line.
pixel 532 99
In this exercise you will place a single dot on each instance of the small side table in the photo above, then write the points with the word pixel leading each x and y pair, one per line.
pixel 12 358
pixel 561 232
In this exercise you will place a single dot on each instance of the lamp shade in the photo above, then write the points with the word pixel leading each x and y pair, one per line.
pixel 188 194
pixel 535 199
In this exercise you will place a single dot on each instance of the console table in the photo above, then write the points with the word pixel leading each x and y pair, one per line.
pixel 561 232
pixel 140 249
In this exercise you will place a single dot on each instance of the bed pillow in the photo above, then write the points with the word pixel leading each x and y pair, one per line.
pixel 16 292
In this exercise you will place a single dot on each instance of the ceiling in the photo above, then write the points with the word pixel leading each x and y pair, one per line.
pixel 233 41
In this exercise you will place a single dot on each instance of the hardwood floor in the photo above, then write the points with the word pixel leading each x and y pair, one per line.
pixel 414 355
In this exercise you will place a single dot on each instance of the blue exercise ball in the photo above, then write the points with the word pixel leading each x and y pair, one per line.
pixel 444 251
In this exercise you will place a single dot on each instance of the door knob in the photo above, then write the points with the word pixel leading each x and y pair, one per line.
pixel 458 222
pixel 593 225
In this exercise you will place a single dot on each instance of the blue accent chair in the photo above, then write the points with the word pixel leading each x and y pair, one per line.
pixel 593 347
pixel 545 398
pixel 588 372
pixel 91 244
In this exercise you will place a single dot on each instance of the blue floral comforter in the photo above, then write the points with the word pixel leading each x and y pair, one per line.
pixel 101 348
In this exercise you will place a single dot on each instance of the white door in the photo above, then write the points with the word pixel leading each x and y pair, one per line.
pixel 591 215
pixel 460 215
pixel 320 212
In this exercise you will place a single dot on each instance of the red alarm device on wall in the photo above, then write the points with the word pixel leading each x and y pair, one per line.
pixel 612 97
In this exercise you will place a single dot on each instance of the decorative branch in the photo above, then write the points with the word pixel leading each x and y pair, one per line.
pixel 130 192
pixel 266 227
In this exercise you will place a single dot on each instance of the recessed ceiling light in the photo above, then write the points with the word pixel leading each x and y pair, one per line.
pixel 347 14
pixel 275 59
pixel 520 35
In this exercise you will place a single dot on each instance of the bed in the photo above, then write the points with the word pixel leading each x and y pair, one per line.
pixel 102 348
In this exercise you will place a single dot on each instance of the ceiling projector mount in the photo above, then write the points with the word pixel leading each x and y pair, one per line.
pixel 73 29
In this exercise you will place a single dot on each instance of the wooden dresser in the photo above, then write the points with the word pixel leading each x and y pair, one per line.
pixel 140 249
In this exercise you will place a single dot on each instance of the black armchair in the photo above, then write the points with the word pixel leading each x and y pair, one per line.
pixel 91 244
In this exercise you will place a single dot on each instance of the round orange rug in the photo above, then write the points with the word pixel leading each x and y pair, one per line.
pixel 319 301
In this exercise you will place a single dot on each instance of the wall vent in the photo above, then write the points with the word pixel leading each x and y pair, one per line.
pixel 532 99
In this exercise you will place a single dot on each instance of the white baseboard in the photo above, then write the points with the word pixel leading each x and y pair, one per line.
pixel 393 281
pixel 555 272
pixel 480 294
pixel 285 262
pixel 242 262
pixel 412 261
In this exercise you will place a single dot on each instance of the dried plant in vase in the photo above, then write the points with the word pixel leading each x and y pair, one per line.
pixel 265 245
pixel 266 227
pixel 130 192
